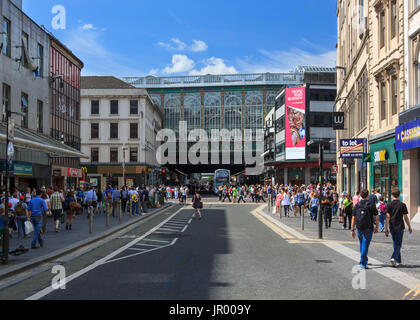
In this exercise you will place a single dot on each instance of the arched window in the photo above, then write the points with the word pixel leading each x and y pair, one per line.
pixel 192 111
pixel 172 111
pixel 212 111
pixel 233 111
pixel 254 110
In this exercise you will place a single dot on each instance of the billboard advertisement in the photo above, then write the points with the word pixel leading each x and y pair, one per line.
pixel 295 123
pixel 352 148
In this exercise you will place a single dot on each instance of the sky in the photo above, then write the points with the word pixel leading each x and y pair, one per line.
pixel 191 37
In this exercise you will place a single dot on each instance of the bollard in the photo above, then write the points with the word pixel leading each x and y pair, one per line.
pixel 107 213
pixel 119 209
pixel 91 212
pixel 302 221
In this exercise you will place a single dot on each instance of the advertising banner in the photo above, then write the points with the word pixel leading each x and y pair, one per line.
pixel 407 136
pixel 295 123
pixel 352 148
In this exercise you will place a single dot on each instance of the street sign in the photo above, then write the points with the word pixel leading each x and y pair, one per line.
pixel 338 120
pixel 10 154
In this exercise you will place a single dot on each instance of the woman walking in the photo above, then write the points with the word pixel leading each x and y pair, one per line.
pixel 348 211
pixel 285 203
pixel 69 210
pixel 197 204
pixel 314 206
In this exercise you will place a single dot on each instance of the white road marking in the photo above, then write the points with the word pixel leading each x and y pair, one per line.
pixel 148 245
pixel 135 249
pixel 137 254
pixel 185 228
pixel 168 229
pixel 102 261
pixel 173 224
pixel 388 272
pixel 155 240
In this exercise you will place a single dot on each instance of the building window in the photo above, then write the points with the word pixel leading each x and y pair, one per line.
pixel 94 130
pixel 25 39
pixel 6 37
pixel 352 111
pixel 6 97
pixel 133 155
pixel 418 78
pixel 25 110
pixel 382 29
pixel 94 155
pixel 383 101
pixel 394 101
pixel 362 87
pixel 94 107
pixel 114 131
pixel 114 107
pixel 40 60
pixel 393 19
pixel 134 130
pixel 113 155
pixel 40 116
pixel 134 107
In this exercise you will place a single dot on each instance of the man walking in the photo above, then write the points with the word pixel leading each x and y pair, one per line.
pixel 115 197
pixel 362 226
pixel 124 198
pixel 89 200
pixel 396 214
pixel 35 207
pixel 57 200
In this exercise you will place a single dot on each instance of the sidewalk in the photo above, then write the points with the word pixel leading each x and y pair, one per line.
pixel 58 244
pixel 381 247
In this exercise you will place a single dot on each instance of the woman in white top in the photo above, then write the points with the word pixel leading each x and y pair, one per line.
pixel 286 203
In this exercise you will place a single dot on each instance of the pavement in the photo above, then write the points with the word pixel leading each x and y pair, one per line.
pixel 234 252
pixel 381 247
pixel 66 241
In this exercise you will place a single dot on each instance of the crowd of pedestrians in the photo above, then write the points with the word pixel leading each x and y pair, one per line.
pixel 49 208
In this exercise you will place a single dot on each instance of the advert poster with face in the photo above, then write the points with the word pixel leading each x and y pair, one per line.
pixel 295 124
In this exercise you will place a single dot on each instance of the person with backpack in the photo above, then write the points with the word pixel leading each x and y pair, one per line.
pixel 381 206
pixel 68 210
pixel 300 200
pixel 362 226
pixel 21 214
pixel 396 214
pixel 124 199
pixel 134 201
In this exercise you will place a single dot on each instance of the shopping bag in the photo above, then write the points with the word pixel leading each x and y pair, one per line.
pixel 63 218
pixel 29 228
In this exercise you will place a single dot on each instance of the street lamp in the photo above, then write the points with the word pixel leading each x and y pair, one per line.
pixel 10 153
pixel 124 149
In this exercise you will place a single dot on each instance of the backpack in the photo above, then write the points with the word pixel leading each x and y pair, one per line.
pixel 19 210
pixel 66 205
pixel 363 218
pixel 382 207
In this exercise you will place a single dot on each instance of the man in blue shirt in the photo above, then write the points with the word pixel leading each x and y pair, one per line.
pixel 115 197
pixel 35 208
pixel 91 200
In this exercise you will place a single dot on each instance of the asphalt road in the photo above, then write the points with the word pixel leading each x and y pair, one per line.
pixel 228 255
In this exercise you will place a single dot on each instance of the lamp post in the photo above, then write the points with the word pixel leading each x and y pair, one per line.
pixel 9 159
pixel 124 149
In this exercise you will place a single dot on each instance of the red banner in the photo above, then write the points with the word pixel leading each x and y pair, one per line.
pixel 72 172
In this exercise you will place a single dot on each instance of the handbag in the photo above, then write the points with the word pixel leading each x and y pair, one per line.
pixel 29 228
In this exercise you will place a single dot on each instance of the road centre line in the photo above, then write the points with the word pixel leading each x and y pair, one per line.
pixel 102 261
pixel 398 276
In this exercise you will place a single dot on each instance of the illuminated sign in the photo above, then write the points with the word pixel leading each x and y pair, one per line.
pixel 295 123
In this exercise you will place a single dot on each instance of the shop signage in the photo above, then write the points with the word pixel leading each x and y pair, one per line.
pixel 338 120
pixel 94 182
pixel 57 173
pixel 381 156
pixel 407 136
pixel 72 172
pixel 352 148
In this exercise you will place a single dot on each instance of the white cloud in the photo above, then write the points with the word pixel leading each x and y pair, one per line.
pixel 88 27
pixel 286 60
pixel 153 72
pixel 180 63
pixel 214 66
pixel 199 46
pixel 178 45
pixel 98 60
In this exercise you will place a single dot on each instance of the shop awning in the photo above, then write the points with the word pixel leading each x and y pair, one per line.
pixel 26 138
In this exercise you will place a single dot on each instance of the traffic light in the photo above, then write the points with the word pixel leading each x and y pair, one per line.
pixel 163 171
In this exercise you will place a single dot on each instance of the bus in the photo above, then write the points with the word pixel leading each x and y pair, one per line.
pixel 221 178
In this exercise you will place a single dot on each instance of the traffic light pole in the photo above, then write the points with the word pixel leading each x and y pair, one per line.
pixel 5 258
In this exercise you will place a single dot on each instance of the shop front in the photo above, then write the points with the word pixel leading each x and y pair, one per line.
pixel 407 141
pixel 386 169
pixel 65 178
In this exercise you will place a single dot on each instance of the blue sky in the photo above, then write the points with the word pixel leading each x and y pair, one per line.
pixel 182 37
